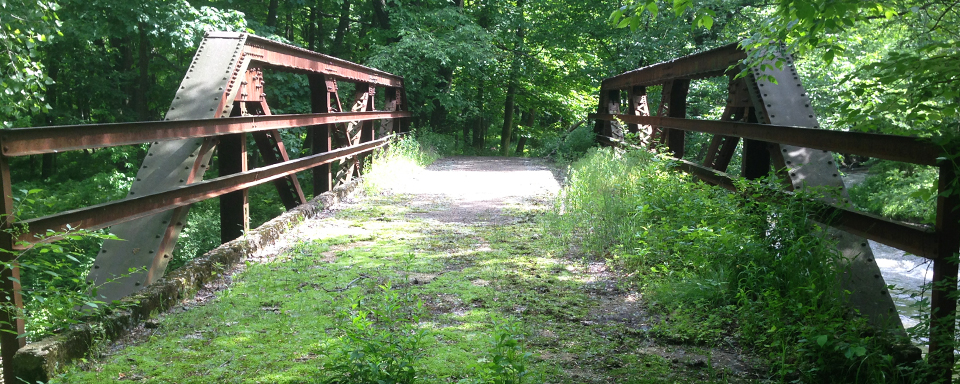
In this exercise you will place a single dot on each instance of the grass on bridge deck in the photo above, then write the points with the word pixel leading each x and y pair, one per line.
pixel 491 274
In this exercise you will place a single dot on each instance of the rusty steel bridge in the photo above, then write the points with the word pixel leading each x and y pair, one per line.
pixel 222 98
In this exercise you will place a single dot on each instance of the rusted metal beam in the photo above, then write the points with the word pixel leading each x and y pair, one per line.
pixel 234 206
pixel 943 302
pixel 290 58
pixel 323 92
pixel 889 147
pixel 32 141
pixel 11 324
pixel 108 214
pixel 918 241
pixel 712 63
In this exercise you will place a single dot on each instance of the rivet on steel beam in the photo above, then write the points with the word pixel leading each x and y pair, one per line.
pixel 96 267
pixel 166 256
pixel 181 180
pixel 103 251
pixel 158 236
pixel 179 223
pixel 151 251
pixel 137 284
pixel 144 166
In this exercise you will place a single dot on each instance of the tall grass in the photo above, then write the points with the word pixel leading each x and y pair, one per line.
pixel 396 164
pixel 690 245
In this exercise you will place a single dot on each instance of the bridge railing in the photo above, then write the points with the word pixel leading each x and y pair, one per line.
pixel 751 116
pixel 215 107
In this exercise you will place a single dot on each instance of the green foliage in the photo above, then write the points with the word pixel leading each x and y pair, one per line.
pixel 709 256
pixel 894 62
pixel 26 26
pixel 382 340
pixel 53 276
pixel 507 359
pixel 435 144
pixel 575 144
pixel 900 191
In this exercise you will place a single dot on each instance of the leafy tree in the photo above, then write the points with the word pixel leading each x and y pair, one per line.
pixel 24 27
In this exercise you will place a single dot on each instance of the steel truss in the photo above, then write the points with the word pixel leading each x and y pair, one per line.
pixel 780 133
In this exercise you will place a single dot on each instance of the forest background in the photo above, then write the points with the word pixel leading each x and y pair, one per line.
pixel 498 77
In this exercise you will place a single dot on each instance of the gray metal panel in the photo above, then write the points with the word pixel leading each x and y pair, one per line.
pixel 147 243
pixel 787 103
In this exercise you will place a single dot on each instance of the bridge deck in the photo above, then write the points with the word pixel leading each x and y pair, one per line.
pixel 464 237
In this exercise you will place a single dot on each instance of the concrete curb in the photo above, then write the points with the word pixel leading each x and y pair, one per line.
pixel 41 360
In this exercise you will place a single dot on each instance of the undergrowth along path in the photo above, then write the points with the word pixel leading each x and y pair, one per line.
pixel 452 264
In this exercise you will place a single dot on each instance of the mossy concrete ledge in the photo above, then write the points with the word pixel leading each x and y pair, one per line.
pixel 41 360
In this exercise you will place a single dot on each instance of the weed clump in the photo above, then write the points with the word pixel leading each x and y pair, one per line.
pixel 381 340
pixel 771 274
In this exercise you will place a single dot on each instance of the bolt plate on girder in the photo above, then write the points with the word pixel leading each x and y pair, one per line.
pixel 786 102
pixel 125 266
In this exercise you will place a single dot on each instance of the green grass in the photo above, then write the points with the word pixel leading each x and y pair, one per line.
pixel 722 269
pixel 900 191
pixel 278 322
pixel 503 303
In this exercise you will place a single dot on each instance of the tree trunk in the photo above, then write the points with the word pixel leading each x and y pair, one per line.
pixel 48 166
pixel 479 133
pixel 508 105
pixel 380 11
pixel 438 117
pixel 311 29
pixel 337 49
pixel 508 111
pixel 521 141
pixel 124 45
pixel 272 13
pixel 289 26
pixel 143 80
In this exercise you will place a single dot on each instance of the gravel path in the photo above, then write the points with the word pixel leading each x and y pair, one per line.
pixel 475 190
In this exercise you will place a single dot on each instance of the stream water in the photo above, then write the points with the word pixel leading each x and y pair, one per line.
pixel 908 273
